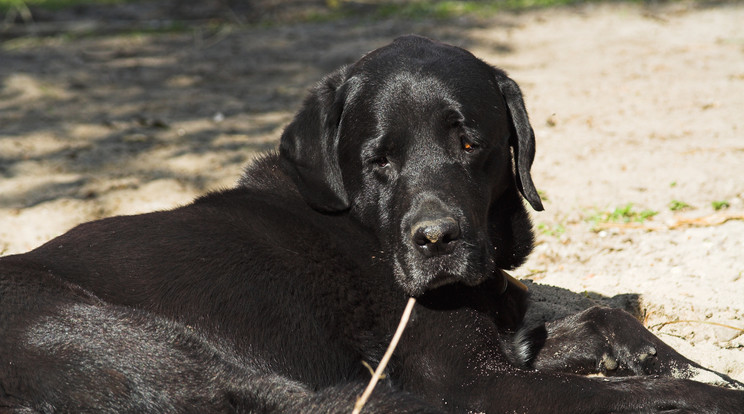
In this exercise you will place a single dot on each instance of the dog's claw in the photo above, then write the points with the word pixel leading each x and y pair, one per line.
pixel 609 363
pixel 650 352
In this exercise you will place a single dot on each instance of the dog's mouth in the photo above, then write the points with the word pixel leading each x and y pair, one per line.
pixel 446 279
pixel 441 280
pixel 417 275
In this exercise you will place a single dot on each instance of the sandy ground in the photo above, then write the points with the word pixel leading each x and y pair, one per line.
pixel 630 104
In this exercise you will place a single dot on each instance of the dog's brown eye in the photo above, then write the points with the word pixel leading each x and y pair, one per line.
pixel 468 146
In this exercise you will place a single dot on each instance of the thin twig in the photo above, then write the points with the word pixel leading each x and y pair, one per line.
pixel 385 358
pixel 630 225
pixel 663 324
pixel 707 221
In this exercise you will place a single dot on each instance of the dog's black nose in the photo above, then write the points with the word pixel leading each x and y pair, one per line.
pixel 435 237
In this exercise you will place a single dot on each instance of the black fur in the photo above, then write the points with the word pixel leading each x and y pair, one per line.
pixel 395 179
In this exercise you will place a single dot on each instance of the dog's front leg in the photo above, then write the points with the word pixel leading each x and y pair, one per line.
pixel 610 342
pixel 455 357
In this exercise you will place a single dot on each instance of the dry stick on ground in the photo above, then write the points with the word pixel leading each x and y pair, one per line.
pixel 712 220
pixel 663 324
pixel 385 358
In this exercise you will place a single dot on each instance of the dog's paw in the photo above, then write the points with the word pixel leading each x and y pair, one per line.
pixel 634 357
pixel 610 342
pixel 621 346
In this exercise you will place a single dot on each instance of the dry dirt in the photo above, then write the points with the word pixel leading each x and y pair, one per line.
pixel 630 104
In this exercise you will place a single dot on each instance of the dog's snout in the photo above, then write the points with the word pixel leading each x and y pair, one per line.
pixel 435 237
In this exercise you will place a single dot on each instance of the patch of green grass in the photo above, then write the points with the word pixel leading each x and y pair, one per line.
pixel 448 9
pixel 428 9
pixel 621 214
pixel 626 214
pixel 556 231
pixel 676 205
pixel 719 205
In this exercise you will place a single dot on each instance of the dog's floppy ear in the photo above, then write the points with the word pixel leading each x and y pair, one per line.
pixel 309 146
pixel 523 143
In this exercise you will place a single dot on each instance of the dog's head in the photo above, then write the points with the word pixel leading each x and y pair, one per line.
pixel 429 147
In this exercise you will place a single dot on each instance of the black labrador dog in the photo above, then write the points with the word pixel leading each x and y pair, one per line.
pixel 402 175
